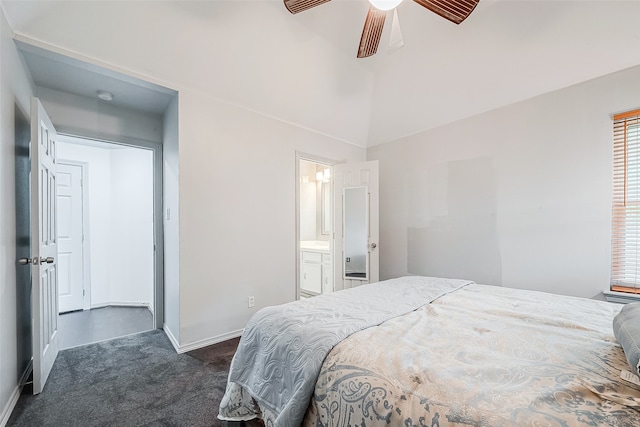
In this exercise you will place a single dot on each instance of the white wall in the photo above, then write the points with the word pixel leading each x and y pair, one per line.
pixel 519 196
pixel 120 185
pixel 171 203
pixel 237 229
pixel 15 92
pixel 131 227
pixel 230 217
pixel 211 46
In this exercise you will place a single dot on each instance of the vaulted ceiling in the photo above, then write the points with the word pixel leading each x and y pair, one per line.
pixel 303 68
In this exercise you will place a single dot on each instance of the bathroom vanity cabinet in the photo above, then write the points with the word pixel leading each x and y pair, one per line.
pixel 316 269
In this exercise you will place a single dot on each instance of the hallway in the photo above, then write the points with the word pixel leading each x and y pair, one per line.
pixel 99 324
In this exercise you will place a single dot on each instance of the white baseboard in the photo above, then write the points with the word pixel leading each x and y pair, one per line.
pixel 8 409
pixel 6 412
pixel 122 304
pixel 209 341
pixel 172 338
pixel 202 343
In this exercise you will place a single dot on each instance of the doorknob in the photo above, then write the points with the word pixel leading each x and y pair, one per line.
pixel 36 261
pixel 373 246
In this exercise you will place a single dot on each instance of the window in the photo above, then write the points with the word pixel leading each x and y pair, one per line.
pixel 625 247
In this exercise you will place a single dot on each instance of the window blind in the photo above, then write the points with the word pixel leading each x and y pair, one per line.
pixel 625 247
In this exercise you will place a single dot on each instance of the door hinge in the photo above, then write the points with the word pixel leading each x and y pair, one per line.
pixel 83 292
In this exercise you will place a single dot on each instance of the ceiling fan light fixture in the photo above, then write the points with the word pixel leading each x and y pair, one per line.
pixel 385 4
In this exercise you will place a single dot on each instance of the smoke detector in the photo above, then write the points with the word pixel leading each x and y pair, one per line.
pixel 105 96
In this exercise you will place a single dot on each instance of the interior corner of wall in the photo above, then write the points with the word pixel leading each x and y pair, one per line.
pixel 175 341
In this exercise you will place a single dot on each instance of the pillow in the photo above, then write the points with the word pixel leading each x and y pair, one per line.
pixel 626 328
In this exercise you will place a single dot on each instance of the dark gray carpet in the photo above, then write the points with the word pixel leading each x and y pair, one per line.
pixel 137 380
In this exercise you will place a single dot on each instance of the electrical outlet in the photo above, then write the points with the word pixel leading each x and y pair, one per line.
pixel 250 301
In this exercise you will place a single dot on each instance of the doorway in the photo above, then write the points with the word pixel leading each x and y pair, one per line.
pixel 105 203
pixel 315 226
pixel 144 115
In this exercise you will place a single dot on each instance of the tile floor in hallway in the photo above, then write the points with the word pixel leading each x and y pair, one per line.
pixel 99 324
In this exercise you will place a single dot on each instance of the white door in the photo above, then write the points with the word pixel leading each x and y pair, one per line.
pixel 352 176
pixel 70 237
pixel 44 292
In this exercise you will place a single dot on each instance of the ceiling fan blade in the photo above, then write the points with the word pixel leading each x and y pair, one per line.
pixel 295 6
pixel 371 32
pixel 455 11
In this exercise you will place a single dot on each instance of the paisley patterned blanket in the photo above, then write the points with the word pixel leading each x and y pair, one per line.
pixel 482 356
pixel 479 356
pixel 282 348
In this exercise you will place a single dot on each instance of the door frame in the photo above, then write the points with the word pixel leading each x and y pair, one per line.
pixel 86 231
pixel 158 228
pixel 325 161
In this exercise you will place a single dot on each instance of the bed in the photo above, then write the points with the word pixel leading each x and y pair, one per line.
pixel 419 351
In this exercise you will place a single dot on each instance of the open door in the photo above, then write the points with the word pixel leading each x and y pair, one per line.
pixel 44 292
pixel 356 216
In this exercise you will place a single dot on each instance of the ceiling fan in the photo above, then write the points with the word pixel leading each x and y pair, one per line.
pixel 455 11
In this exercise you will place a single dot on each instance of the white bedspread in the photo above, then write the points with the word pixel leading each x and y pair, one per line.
pixel 281 351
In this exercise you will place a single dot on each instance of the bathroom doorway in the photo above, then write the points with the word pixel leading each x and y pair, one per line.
pixel 314 226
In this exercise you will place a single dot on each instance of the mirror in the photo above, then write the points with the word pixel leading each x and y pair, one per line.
pixel 355 217
pixel 326 208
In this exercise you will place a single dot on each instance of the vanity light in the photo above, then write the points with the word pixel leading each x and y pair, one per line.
pixel 327 175
pixel 324 176
pixel 385 4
